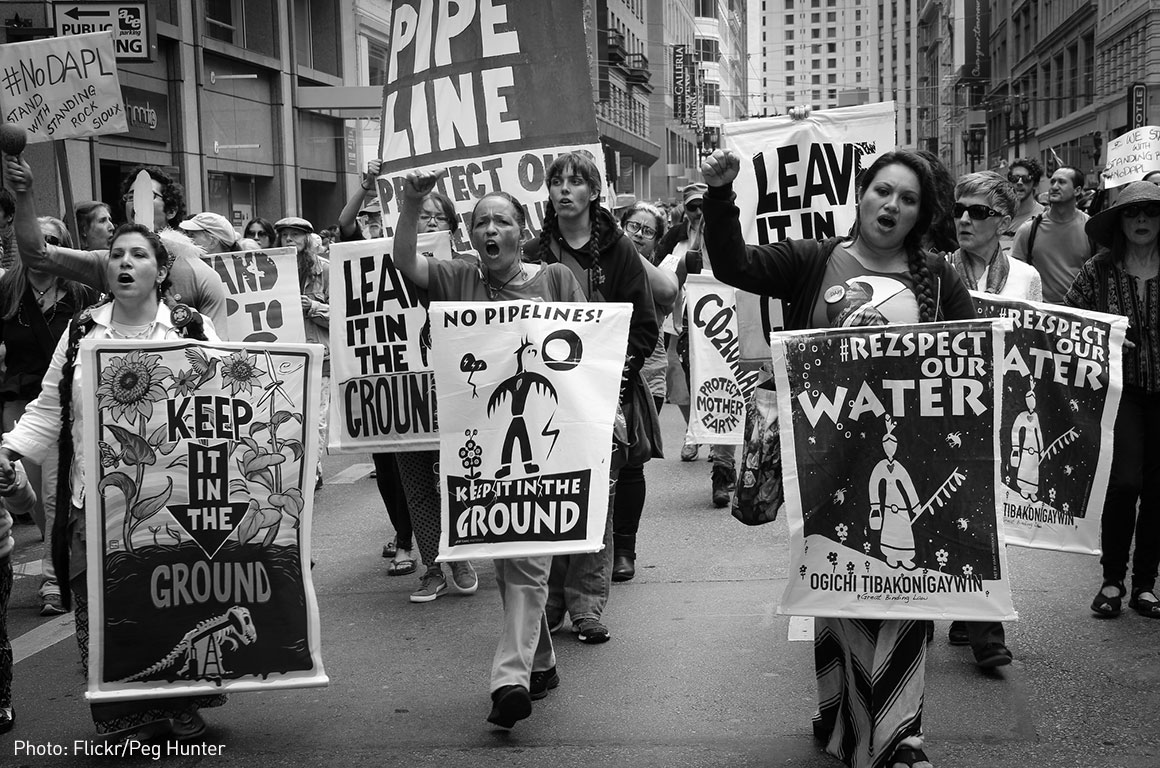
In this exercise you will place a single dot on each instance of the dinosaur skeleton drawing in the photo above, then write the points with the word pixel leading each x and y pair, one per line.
pixel 200 650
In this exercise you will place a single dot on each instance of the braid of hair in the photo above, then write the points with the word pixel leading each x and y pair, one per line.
pixel 594 245
pixel 80 326
pixel 549 230
pixel 920 272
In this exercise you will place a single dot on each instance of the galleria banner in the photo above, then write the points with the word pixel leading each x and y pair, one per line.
pixel 889 443
pixel 492 92
pixel 799 180
pixel 199 465
pixel 527 397
pixel 719 388
pixel 1062 379
pixel 382 388
pixel 262 295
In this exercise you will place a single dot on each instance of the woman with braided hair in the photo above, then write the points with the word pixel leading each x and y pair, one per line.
pixel 583 236
pixel 137 274
pixel 879 274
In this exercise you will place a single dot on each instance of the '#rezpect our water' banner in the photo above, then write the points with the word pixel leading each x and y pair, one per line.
pixel 889 446
pixel 527 397
pixel 719 388
pixel 199 468
pixel 1062 382
pixel 798 180
pixel 382 386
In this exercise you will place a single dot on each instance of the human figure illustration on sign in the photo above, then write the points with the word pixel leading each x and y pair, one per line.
pixel 894 504
pixel 519 386
pixel 1027 448
pixel 1028 456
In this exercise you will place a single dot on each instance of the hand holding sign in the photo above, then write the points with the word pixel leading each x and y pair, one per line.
pixel 419 184
pixel 17 173
pixel 721 167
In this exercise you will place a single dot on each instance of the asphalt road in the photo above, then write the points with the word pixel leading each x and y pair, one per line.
pixel 699 671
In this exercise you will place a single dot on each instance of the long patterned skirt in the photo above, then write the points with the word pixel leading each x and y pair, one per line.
pixel 871 679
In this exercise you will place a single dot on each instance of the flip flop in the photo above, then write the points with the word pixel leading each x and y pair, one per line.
pixel 1148 607
pixel 401 567
pixel 390 548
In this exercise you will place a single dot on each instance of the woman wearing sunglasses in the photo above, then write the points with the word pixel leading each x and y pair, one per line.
pixel 984 205
pixel 261 232
pixel 1124 279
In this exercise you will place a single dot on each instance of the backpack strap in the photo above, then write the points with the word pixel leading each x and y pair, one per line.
pixel 1035 222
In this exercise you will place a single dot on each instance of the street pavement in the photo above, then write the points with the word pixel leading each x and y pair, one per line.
pixel 700 671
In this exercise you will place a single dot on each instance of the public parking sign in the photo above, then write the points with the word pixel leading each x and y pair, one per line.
pixel 131 24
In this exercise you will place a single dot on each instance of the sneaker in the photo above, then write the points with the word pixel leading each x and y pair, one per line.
pixel 51 605
pixel 689 451
pixel 431 584
pixel 591 631
pixel 723 479
pixel 464 578
pixel 542 682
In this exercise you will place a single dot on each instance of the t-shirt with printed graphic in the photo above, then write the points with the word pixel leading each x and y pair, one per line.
pixel 849 286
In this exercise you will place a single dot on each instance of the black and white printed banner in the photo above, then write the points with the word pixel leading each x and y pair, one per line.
pixel 1062 382
pixel 889 447
pixel 527 397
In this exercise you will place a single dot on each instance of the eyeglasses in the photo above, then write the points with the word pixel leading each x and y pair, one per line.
pixel 693 207
pixel 1151 210
pixel 128 197
pixel 52 239
pixel 977 212
pixel 1016 178
pixel 427 218
pixel 632 227
pixel 255 234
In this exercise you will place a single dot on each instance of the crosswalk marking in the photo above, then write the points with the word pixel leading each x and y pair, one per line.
pixel 32 568
pixel 47 634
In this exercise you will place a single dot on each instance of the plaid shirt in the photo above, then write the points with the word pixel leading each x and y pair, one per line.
pixel 1103 286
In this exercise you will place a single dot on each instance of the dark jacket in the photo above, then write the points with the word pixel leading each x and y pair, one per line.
pixel 624 280
pixel 793 270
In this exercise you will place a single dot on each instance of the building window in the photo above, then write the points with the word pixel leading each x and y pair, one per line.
pixel 831 47
pixel 316 35
pixel 816 95
pixel 789 19
pixel 789 66
pixel 831 16
pixel 815 18
pixel 789 50
pixel 789 5
pixel 789 34
pixel 831 63
pixel 857 15
pixel 708 49
pixel 706 8
pixel 789 79
pixel 244 24
pixel 832 79
pixel 831 32
pixel 712 95
pixel 857 45
pixel 815 33
pixel 816 63
pixel 376 63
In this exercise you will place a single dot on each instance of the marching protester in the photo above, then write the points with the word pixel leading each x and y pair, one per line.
pixel 1122 280
pixel 35 308
pixel 524 666
pixel 984 203
pixel 192 281
pixel 1055 242
pixel 896 203
pixel 94 225
pixel 212 232
pixel 580 234
pixel 19 497
pixel 314 283
pixel 1024 174
pixel 261 232
pixel 137 274
pixel 645 226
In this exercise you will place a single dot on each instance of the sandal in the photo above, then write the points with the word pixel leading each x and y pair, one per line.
pixel 1145 606
pixel 1109 606
pixel 402 566
pixel 908 756
pixel 390 549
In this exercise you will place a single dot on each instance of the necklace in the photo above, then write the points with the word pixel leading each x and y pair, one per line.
pixel 492 291
pixel 141 332
pixel 40 295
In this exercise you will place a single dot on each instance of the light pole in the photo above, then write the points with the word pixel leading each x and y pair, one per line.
pixel 1017 123
pixel 973 145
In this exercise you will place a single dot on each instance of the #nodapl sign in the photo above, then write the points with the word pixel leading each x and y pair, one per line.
pixel 527 395
pixel 889 443
pixel 1062 375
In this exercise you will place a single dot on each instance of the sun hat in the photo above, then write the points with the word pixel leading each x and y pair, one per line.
pixel 1103 225
pixel 373 207
pixel 694 192
pixel 213 223
pixel 294 222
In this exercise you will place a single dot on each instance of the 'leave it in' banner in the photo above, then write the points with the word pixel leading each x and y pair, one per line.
pixel 262 295
pixel 798 180
pixel 199 467
pixel 719 388
pixel 382 385
pixel 1062 382
pixel 889 445
pixel 527 396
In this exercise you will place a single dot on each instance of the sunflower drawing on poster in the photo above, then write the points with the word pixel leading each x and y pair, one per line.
pixel 1062 376
pixel 198 528
pixel 888 448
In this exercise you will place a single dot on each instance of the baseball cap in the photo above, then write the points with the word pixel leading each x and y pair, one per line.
pixel 213 223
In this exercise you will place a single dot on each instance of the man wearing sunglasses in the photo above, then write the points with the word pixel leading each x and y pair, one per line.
pixel 1024 174
pixel 1055 242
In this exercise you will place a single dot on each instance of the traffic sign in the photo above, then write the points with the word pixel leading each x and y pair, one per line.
pixel 134 33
